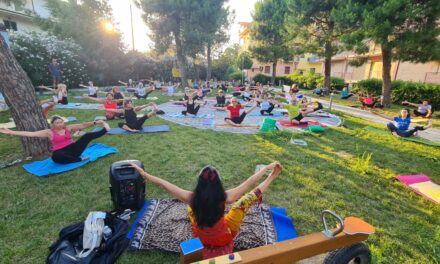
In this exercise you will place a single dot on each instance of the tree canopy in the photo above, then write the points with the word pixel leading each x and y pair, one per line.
pixel 269 36
pixel 83 21
pixel 406 30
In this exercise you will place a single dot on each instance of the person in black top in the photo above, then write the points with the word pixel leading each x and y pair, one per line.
pixel 191 101
pixel 118 96
pixel 132 123
pixel 221 99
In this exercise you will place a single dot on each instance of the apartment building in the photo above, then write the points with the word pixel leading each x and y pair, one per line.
pixel 20 17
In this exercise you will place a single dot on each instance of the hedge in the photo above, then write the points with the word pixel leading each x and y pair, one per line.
pixel 264 79
pixel 403 90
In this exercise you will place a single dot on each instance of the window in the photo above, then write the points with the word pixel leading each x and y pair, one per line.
pixel 253 69
pixel 312 70
pixel 10 25
pixel 286 70
pixel 266 69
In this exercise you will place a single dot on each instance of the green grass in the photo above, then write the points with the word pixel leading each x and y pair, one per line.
pixel 349 171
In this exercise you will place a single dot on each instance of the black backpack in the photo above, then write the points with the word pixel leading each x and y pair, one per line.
pixel 69 243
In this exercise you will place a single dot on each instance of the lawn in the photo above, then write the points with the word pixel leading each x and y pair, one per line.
pixel 347 170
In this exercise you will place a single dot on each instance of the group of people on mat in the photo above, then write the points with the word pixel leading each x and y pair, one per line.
pixel 206 205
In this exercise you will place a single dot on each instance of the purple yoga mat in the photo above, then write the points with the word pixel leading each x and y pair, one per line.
pixel 411 179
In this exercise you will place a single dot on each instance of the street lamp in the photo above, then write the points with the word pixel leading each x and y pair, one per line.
pixel 242 69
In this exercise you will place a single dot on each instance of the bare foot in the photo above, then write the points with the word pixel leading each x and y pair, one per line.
pixel 106 126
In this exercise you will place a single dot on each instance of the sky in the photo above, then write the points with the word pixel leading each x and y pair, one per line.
pixel 121 13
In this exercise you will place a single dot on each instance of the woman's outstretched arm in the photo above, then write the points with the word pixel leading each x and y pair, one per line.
pixel 175 191
pixel 40 134
pixel 234 194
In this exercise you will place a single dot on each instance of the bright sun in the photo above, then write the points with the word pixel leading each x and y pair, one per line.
pixel 108 26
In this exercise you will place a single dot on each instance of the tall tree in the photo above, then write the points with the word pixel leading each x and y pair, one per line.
pixel 169 21
pixel 269 36
pixel 314 29
pixel 244 60
pixel 212 19
pixel 85 22
pixel 20 97
pixel 406 30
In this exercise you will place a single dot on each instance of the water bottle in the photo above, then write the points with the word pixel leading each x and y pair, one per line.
pixel 107 233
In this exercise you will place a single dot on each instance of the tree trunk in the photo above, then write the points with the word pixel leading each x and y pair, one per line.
pixel 327 66
pixel 196 69
pixel 19 95
pixel 386 76
pixel 208 69
pixel 180 58
pixel 274 73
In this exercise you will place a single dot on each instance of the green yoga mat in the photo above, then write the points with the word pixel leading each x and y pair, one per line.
pixel 413 139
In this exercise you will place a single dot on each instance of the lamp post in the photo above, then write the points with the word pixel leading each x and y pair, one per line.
pixel 242 69
pixel 132 34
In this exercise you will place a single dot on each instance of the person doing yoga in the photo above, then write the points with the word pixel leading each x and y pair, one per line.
pixel 400 127
pixel 235 119
pixel 206 205
pixel 92 90
pixel 423 110
pixel 142 92
pixel 132 123
pixel 60 91
pixel 295 114
pixel 307 107
pixel 267 105
pixel 221 99
pixel 109 103
pixel 118 95
pixel 191 102
pixel 64 150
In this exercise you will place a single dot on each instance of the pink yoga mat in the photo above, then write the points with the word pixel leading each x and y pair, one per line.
pixel 287 123
pixel 411 179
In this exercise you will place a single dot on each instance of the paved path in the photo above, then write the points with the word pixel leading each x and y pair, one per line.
pixel 430 134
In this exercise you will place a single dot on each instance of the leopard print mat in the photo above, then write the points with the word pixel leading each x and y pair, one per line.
pixel 165 224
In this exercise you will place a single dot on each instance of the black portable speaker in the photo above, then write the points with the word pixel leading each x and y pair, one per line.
pixel 127 188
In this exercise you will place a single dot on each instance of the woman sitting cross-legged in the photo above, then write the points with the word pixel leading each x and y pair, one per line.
pixel 132 123
pixel 401 124
pixel 64 150
pixel 206 205
pixel 235 118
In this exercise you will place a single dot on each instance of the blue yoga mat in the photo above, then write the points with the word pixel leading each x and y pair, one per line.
pixel 79 106
pixel 180 115
pixel 138 218
pixel 147 129
pixel 274 114
pixel 47 166
pixel 283 224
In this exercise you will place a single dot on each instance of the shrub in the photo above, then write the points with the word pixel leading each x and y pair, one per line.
pixel 336 83
pixel 403 90
pixel 284 79
pixel 236 75
pixel 262 78
pixel 371 86
pixel 415 92
pixel 34 51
